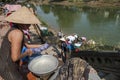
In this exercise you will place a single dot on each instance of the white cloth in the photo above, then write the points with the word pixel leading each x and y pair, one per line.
pixel 43 28
pixel 78 44
pixel 71 38
pixel 76 36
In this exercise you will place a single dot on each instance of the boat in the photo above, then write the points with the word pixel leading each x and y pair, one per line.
pixel 105 61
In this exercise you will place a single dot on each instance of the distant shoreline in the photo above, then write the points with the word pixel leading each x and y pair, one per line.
pixel 96 4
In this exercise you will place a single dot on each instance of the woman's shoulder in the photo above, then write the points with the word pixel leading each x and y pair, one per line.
pixel 16 31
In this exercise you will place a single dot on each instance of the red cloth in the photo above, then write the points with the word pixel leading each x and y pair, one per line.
pixel 9 22
pixel 77 50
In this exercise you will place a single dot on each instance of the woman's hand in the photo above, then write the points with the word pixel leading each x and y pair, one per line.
pixel 29 52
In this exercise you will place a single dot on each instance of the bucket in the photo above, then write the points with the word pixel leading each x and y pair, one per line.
pixel 44 31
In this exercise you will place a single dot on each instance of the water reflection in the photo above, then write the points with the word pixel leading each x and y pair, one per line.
pixel 117 19
pixel 95 23
pixel 106 14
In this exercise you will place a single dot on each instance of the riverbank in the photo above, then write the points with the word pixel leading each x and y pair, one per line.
pixel 98 46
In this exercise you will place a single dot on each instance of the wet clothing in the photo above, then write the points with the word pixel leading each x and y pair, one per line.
pixel 9 70
pixel 36 52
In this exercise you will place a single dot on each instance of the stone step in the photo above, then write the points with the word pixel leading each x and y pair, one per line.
pixel 37 41
pixel 34 37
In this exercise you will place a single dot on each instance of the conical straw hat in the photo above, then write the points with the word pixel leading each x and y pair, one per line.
pixel 23 16
pixel 62 39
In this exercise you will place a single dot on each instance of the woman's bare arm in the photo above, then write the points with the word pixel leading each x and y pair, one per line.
pixel 16 37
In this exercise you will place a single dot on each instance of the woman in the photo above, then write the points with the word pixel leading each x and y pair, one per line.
pixel 10 52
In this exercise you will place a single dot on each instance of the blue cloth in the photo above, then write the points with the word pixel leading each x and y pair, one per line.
pixel 70 47
pixel 40 49
pixel 25 59
pixel 29 58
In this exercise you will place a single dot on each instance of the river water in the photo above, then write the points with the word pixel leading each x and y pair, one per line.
pixel 99 24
